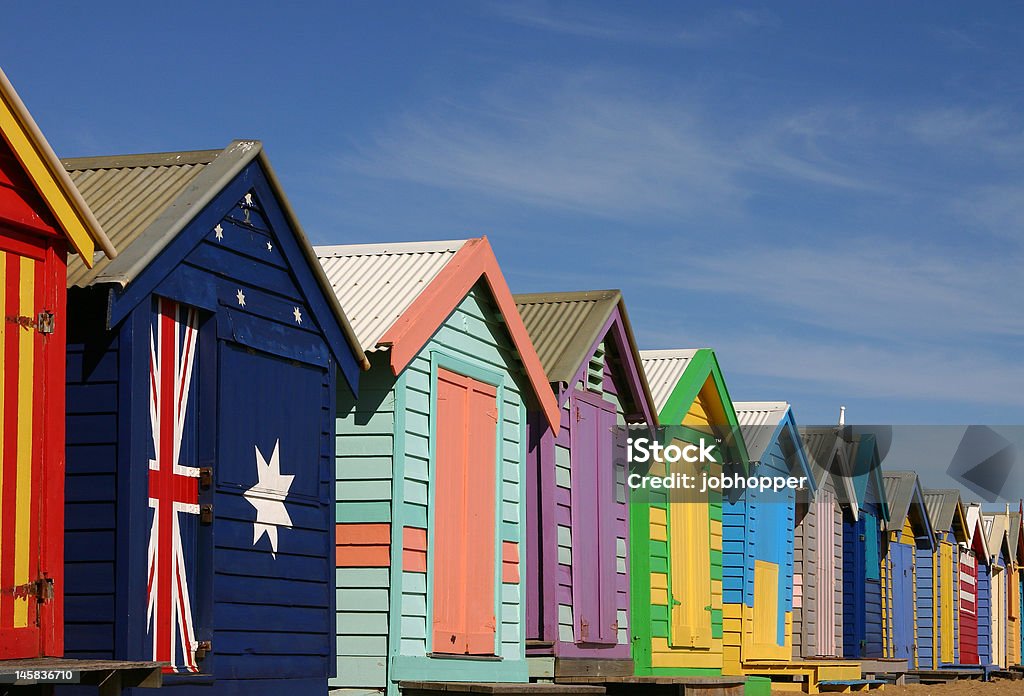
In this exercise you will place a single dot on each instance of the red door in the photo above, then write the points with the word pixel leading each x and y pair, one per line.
pixel 31 444
pixel 464 516
pixel 968 608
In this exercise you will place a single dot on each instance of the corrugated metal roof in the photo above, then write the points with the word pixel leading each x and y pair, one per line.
pixel 564 325
pixel 664 368
pixel 127 193
pixel 899 491
pixel 758 421
pixel 995 525
pixel 975 524
pixel 376 283
pixel 941 504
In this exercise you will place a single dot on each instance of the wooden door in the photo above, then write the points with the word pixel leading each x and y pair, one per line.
pixel 690 561
pixel 32 445
pixel 945 585
pixel 592 428
pixel 826 580
pixel 968 608
pixel 902 610
pixel 464 516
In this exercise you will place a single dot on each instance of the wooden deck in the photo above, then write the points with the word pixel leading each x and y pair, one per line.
pixel 663 685
pixel 110 676
pixel 808 676
pixel 427 688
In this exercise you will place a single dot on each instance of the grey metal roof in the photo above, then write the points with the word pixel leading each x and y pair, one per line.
pixel 976 523
pixel 1014 531
pixel 899 491
pixel 758 421
pixel 941 504
pixel 664 368
pixel 996 526
pixel 144 201
pixel 127 193
pixel 564 325
pixel 376 283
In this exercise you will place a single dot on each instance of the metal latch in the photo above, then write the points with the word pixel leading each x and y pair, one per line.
pixel 203 649
pixel 43 323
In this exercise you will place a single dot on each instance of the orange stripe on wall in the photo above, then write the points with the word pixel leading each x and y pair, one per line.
pixel 510 561
pixel 362 545
pixel 414 549
pixel 26 413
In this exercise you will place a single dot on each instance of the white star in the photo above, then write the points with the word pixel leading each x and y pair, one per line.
pixel 248 200
pixel 218 232
pixel 268 496
pixel 241 297
pixel 298 315
pixel 270 247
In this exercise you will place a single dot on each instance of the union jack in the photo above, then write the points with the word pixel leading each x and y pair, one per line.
pixel 173 487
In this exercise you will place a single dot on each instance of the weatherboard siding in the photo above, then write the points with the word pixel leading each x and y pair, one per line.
pixel 364 464
pixel 90 510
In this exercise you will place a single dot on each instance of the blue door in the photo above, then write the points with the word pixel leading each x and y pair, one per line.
pixel 902 600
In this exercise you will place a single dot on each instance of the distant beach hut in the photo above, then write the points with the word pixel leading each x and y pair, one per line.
pixel 577 561
pixel 818 552
pixel 996 527
pixel 762 545
pixel 863 539
pixel 949 522
pixel 974 592
pixel 906 570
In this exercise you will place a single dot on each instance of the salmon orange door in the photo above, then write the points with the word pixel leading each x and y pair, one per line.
pixel 464 516
pixel 31 444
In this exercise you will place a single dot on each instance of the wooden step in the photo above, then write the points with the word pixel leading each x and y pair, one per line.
pixel 655 685
pixel 849 685
pixel 427 688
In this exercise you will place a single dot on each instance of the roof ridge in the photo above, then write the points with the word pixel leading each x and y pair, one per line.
pixel 565 296
pixel 147 159
pixel 380 249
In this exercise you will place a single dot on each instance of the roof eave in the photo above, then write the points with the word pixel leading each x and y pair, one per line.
pixel 73 204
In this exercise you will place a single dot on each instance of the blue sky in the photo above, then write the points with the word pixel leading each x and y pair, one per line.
pixel 829 195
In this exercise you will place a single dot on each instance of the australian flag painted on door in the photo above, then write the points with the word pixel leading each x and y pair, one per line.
pixel 173 486
pixel 203 369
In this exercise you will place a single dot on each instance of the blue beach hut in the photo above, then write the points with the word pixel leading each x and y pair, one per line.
pixel 201 376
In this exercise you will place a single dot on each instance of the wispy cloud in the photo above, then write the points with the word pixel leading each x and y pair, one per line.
pixel 875 289
pixel 587 21
pixel 595 144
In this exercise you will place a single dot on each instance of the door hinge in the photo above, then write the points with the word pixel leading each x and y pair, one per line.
pixel 206 514
pixel 205 476
pixel 43 322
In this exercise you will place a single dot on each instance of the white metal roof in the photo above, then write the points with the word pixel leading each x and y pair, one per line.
pixel 376 283
pixel 664 368
pixel 758 421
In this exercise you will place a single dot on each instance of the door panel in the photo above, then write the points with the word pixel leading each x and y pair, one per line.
pixel 902 600
pixel 690 549
pixel 464 516
pixel 968 608
pixel 26 288
pixel 947 635
pixel 593 514
pixel 826 580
